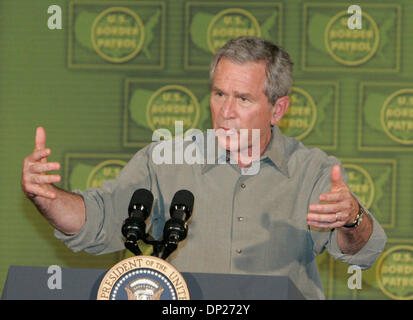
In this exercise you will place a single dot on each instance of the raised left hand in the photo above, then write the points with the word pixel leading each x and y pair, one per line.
pixel 341 209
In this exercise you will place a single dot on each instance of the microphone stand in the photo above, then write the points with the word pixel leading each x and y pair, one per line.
pixel 175 229
pixel 161 248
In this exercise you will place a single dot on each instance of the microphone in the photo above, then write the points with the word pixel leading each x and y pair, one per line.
pixel 134 227
pixel 176 228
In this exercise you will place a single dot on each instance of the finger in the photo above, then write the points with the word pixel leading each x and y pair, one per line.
pixel 323 217
pixel 40 140
pixel 325 225
pixel 336 179
pixel 332 196
pixel 38 155
pixel 39 191
pixel 326 207
pixel 44 167
pixel 45 179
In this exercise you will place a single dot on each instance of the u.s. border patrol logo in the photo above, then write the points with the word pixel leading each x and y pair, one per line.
pixel 231 23
pixel 172 103
pixel 397 116
pixel 143 278
pixel 117 34
pixel 106 170
pixel 361 183
pixel 351 47
pixel 301 116
pixel 394 272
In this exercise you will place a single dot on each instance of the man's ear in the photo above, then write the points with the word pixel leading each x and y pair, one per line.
pixel 279 109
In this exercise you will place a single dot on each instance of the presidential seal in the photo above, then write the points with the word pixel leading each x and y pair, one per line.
pixel 143 278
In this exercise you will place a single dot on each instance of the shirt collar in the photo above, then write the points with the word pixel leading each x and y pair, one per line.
pixel 220 155
pixel 275 152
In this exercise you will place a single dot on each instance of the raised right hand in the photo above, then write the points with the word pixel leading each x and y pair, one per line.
pixel 35 182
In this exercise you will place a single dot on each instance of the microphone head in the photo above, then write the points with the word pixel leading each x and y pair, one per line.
pixel 141 197
pixel 183 198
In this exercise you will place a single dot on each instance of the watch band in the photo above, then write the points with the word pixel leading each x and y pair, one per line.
pixel 358 219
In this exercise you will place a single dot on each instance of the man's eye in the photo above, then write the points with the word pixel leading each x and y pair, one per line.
pixel 243 99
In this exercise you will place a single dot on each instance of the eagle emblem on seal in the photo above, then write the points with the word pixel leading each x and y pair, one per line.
pixel 144 289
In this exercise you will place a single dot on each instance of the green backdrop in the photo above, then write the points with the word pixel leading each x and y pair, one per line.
pixel 119 69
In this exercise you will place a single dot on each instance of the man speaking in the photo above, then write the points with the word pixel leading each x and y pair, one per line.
pixel 273 222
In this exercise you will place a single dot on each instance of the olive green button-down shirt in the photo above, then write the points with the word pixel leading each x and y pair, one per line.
pixel 241 224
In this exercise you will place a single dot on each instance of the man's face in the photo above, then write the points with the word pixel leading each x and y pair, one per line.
pixel 238 102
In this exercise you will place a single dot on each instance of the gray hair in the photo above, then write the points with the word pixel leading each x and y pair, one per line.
pixel 278 69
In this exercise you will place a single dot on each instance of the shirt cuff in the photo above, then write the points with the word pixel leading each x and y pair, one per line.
pixel 367 255
pixel 87 233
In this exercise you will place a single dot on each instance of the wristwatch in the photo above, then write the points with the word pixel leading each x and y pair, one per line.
pixel 358 219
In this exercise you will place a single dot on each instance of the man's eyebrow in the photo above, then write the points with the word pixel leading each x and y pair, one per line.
pixel 216 89
pixel 236 93
pixel 243 94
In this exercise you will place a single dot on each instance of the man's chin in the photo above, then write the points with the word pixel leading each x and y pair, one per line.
pixel 230 145
pixel 227 144
pixel 235 141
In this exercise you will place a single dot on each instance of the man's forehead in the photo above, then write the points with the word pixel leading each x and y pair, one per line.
pixel 241 63
pixel 246 76
pixel 248 71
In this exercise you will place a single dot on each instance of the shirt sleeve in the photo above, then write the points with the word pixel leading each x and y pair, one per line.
pixel 107 207
pixel 324 238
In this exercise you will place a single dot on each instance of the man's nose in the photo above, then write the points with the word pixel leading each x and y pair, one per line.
pixel 228 110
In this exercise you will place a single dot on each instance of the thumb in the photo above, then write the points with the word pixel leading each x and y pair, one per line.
pixel 336 179
pixel 40 140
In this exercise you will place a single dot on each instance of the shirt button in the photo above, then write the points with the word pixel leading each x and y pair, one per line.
pixel 240 218
pixel 239 251
pixel 243 185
